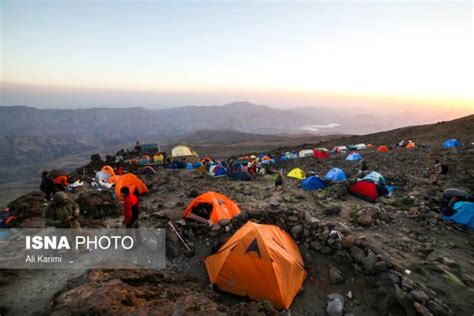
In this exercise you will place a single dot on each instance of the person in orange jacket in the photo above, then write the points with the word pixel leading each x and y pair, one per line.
pixel 61 182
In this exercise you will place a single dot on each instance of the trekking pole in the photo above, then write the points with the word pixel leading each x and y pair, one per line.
pixel 179 236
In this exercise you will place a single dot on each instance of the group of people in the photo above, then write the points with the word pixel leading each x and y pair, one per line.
pixel 64 212
pixel 51 185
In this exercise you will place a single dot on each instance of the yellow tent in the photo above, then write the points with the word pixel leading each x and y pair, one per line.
pixel 296 173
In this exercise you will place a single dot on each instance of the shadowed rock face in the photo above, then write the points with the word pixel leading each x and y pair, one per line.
pixel 97 204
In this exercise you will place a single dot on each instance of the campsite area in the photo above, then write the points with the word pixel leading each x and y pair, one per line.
pixel 394 255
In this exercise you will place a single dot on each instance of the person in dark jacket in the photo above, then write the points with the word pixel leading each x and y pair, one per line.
pixel 47 186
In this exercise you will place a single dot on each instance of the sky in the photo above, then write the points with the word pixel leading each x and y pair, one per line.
pixel 374 54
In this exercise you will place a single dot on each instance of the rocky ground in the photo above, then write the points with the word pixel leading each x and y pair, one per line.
pixel 394 257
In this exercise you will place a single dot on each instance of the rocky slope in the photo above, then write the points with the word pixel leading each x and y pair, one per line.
pixel 394 257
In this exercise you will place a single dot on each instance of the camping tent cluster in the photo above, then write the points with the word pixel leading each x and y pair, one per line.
pixel 259 261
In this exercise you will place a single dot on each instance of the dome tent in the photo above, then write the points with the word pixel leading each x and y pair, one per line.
pixel 354 156
pixel 217 171
pixel 312 183
pixel 306 153
pixel 335 175
pixel 218 206
pixel 320 154
pixel 259 261
pixel 296 173
pixel 368 190
pixel 375 177
pixel 184 153
pixel 451 143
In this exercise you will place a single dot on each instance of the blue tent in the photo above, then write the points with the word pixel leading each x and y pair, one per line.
pixel 312 183
pixel 197 164
pixel 450 143
pixel 173 166
pixel 354 156
pixel 335 175
pixel 268 162
pixel 284 158
pixel 217 171
pixel 239 172
pixel 189 166
pixel 464 214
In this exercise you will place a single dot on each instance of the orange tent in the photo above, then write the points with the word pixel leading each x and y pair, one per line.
pixel 109 170
pixel 410 145
pixel 266 158
pixel 259 261
pixel 128 180
pixel 370 146
pixel 222 207
pixel 383 149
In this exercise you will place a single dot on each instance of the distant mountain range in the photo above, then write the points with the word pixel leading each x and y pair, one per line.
pixel 118 124
pixel 29 137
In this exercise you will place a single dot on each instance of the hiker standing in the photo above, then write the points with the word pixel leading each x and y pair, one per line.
pixel 63 212
pixel 131 208
pixel 363 169
pixel 138 147
pixel 436 170
pixel 279 180
pixel 47 186
pixel 119 170
pixel 131 213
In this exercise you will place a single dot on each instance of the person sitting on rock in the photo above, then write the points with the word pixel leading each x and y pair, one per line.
pixel 47 186
pixel 61 183
pixel 63 212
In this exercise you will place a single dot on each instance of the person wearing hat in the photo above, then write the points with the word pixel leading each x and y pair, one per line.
pixel 63 212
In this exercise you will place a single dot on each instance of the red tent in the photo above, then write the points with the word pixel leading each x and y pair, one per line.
pixel 365 189
pixel 320 154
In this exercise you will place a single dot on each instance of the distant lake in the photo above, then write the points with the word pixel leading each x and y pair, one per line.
pixel 317 127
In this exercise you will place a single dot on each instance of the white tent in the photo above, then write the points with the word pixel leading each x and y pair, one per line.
pixel 306 153
pixel 340 149
pixel 361 146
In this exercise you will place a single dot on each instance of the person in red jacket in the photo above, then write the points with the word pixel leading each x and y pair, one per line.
pixel 119 171
pixel 131 208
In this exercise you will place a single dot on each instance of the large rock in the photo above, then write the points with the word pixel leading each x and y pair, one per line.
pixel 297 230
pixel 26 207
pixel 97 204
pixel 335 305
pixel 365 220
pixel 143 292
